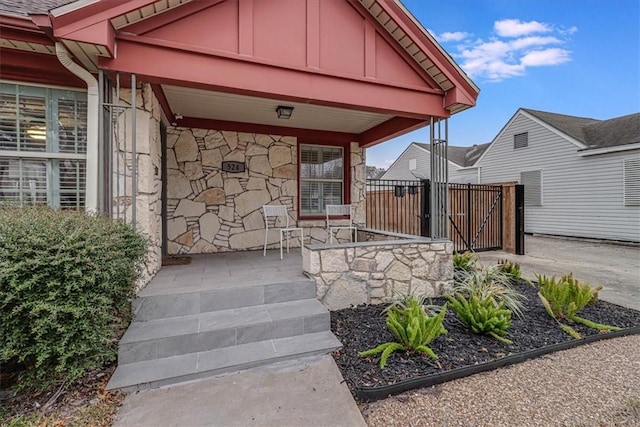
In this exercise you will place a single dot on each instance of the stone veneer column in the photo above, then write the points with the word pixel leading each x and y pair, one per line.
pixel 210 210
pixel 358 184
pixel 149 180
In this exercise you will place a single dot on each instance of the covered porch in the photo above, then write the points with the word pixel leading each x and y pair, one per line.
pixel 210 110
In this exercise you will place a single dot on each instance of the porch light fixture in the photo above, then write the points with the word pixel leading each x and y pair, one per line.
pixel 284 112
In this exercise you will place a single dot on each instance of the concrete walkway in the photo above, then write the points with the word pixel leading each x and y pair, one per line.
pixel 616 267
pixel 306 392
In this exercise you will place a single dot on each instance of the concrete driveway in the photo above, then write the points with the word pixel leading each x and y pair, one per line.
pixel 616 267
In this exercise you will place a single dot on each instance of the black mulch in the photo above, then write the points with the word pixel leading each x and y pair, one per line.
pixel 363 327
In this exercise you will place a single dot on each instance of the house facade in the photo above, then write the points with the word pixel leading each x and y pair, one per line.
pixel 581 175
pixel 185 117
pixel 415 163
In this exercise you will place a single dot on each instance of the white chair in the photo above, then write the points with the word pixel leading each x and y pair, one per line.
pixel 342 210
pixel 275 212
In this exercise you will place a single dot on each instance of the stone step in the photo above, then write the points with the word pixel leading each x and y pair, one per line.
pixel 162 338
pixel 171 370
pixel 184 304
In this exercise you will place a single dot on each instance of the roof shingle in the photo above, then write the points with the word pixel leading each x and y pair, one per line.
pixel 462 156
pixel 26 7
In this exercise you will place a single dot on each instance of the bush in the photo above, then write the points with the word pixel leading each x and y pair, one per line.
pixel 464 262
pixel 511 269
pixel 482 316
pixel 66 280
pixel 413 329
pixel 490 283
pixel 564 298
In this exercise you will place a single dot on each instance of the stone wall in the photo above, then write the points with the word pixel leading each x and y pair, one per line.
pixel 210 210
pixel 372 272
pixel 149 173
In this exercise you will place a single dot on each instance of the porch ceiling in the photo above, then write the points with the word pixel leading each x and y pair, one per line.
pixel 205 104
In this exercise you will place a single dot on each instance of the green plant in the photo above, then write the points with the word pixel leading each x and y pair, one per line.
pixel 482 316
pixel 402 301
pixel 511 269
pixel 66 280
pixel 564 298
pixel 464 261
pixel 413 329
pixel 490 283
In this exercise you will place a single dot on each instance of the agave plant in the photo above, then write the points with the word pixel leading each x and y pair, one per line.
pixel 564 298
pixel 490 283
pixel 413 329
pixel 482 316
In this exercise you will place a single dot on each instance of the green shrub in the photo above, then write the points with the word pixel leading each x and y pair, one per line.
pixel 511 269
pixel 413 329
pixel 564 298
pixel 464 261
pixel 402 301
pixel 490 283
pixel 482 316
pixel 66 280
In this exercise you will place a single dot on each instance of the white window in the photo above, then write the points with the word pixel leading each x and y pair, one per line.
pixel 412 164
pixel 532 181
pixel 43 143
pixel 321 178
pixel 521 140
pixel 631 182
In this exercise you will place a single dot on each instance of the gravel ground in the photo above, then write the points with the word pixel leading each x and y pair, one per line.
pixel 591 385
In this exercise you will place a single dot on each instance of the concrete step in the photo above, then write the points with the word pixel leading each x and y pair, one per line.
pixel 185 304
pixel 171 370
pixel 162 338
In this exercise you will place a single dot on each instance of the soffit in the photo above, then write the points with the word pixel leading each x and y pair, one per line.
pixel 146 12
pixel 248 109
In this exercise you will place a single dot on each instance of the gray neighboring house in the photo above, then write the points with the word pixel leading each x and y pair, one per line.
pixel 581 175
pixel 415 163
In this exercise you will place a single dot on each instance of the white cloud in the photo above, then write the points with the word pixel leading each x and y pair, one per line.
pixel 552 56
pixel 515 48
pixel 455 36
pixel 517 28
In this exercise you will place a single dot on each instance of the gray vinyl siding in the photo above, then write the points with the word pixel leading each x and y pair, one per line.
pixel 463 176
pixel 400 168
pixel 581 196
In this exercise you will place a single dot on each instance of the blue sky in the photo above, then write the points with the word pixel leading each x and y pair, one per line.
pixel 575 57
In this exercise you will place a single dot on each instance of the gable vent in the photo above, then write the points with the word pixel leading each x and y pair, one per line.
pixel 532 181
pixel 521 140
pixel 631 184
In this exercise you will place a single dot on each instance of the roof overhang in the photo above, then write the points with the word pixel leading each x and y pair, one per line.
pixel 98 34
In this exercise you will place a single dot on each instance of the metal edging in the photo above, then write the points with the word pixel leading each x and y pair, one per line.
pixel 370 394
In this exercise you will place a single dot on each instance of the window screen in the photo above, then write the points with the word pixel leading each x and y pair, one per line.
pixel 412 164
pixel 521 140
pixel 321 178
pixel 532 182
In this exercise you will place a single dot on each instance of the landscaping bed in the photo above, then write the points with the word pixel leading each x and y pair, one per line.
pixel 363 327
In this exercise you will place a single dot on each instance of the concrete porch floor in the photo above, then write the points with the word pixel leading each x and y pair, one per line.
pixel 226 270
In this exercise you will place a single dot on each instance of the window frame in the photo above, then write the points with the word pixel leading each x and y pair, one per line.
pixel 346 175
pixel 52 96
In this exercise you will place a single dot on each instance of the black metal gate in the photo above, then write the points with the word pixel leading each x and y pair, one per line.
pixel 476 215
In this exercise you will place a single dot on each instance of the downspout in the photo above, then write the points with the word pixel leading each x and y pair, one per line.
pixel 91 171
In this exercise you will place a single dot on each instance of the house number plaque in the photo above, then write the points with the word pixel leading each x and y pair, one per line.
pixel 230 166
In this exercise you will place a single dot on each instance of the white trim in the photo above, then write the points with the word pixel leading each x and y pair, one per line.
pixel 604 150
pixel 42 155
pixel 554 130
pixel 541 123
pixel 78 4
pixel 20 83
